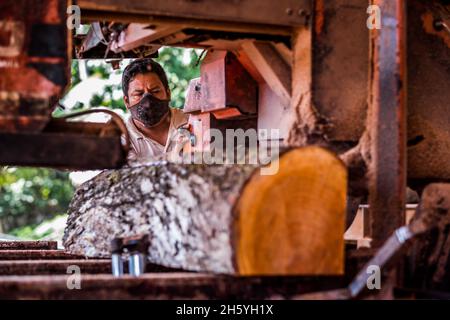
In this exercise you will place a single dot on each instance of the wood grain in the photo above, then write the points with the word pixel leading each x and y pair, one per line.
pixel 228 219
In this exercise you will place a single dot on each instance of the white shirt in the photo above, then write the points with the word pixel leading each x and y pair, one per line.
pixel 144 149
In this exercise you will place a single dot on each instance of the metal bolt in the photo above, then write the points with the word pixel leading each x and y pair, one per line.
pixel 301 12
pixel 132 249
pixel 440 25
pixel 117 265
pixel 289 11
pixel 116 257
pixel 437 24
pixel 193 140
pixel 136 264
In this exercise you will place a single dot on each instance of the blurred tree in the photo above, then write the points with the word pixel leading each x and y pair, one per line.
pixel 181 66
pixel 30 195
pixel 75 72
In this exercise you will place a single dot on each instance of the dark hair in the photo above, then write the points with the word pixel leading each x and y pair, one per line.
pixel 141 66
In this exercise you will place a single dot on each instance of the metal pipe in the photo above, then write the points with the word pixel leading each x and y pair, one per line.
pixel 116 265
pixel 387 183
pixel 136 264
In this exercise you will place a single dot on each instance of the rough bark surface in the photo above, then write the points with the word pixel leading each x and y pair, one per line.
pixel 231 219
pixel 185 209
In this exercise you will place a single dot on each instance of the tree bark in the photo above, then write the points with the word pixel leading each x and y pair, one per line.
pixel 227 219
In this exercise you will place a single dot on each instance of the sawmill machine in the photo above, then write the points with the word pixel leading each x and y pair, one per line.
pixel 320 72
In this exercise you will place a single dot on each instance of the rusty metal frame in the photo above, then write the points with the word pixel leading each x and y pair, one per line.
pixel 283 13
pixel 271 66
pixel 28 245
pixel 387 172
pixel 65 144
pixel 172 285
pixel 42 274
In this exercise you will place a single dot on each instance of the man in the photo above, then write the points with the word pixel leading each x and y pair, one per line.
pixel 152 123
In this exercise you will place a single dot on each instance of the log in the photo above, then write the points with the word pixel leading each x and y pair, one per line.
pixel 228 219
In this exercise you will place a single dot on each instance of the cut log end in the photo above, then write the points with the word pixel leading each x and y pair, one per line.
pixel 222 219
pixel 293 222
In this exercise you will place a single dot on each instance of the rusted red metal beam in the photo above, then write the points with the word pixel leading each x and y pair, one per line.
pixel 162 286
pixel 264 12
pixel 28 245
pixel 387 182
pixel 52 150
pixel 34 57
pixel 53 267
pixel 36 254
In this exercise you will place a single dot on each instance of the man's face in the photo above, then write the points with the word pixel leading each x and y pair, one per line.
pixel 145 83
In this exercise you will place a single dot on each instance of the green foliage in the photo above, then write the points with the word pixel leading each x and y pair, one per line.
pixel 179 71
pixel 106 98
pixel 75 71
pixel 29 195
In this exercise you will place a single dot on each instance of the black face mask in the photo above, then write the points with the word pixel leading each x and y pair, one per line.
pixel 150 110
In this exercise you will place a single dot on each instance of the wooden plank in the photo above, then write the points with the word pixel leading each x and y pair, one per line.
pixel 281 13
